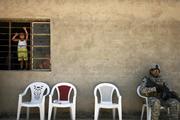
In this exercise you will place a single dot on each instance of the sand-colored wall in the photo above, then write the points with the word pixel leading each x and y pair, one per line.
pixel 96 41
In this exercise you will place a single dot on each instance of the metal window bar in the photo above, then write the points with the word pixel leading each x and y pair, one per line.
pixel 32 43
pixel 9 66
pixel 38 46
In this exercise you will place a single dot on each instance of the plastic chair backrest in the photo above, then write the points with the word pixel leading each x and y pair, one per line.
pixel 106 91
pixel 64 91
pixel 37 90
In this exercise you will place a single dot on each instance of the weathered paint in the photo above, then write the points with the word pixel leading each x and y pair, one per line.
pixel 99 41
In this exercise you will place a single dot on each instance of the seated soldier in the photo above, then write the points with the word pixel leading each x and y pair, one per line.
pixel 159 94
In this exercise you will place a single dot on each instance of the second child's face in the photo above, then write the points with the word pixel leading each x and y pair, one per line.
pixel 21 36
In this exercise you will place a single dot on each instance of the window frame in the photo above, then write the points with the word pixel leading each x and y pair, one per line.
pixel 36 46
pixel 9 51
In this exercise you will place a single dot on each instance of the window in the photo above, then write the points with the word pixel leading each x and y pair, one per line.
pixel 38 44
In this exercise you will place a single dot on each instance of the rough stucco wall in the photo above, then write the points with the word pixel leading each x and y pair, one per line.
pixel 106 41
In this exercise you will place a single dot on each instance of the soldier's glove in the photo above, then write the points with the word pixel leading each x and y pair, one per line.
pixel 158 89
pixel 153 89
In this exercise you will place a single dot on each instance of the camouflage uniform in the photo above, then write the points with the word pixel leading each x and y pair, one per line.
pixel 155 100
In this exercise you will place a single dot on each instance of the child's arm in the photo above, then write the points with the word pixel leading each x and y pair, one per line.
pixel 14 37
pixel 26 33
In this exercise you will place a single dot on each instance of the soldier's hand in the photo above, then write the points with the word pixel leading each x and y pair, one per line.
pixel 153 89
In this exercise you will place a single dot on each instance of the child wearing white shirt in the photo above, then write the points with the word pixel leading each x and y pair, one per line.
pixel 22 47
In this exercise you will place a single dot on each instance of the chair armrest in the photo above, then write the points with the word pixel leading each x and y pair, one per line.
pixel 20 98
pixel 21 95
pixel 144 97
pixel 48 91
pixel 95 94
pixel 51 94
pixel 119 99
pixel 118 95
pixel 25 91
pixel 74 99
pixel 96 99
pixel 50 98
pixel 140 95
pixel 52 91
pixel 46 95
pixel 43 99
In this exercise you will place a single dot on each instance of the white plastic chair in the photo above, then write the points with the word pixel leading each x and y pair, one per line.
pixel 145 105
pixel 64 91
pixel 38 95
pixel 106 91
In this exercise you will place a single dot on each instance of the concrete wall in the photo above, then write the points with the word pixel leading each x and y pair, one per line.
pixel 99 41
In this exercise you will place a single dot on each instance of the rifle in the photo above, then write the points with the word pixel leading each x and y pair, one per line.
pixel 164 91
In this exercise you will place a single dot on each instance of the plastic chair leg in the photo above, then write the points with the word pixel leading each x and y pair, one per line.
pixel 27 113
pixel 18 112
pixel 41 110
pixel 96 113
pixel 49 112
pixel 54 113
pixel 120 113
pixel 148 113
pixel 114 113
pixel 142 112
pixel 73 113
pixel 168 111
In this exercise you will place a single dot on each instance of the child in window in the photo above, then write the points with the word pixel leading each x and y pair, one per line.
pixel 22 51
